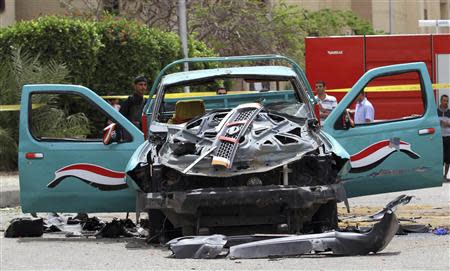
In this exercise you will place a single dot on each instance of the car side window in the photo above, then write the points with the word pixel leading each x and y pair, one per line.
pixel 386 98
pixel 68 117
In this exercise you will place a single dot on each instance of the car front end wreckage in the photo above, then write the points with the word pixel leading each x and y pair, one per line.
pixel 253 160
pixel 248 166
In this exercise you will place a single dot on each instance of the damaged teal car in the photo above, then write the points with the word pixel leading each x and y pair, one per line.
pixel 255 159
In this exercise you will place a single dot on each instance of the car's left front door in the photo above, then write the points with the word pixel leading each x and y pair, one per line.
pixel 64 165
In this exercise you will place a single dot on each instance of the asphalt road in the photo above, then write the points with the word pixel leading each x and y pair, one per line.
pixel 414 251
pixel 411 252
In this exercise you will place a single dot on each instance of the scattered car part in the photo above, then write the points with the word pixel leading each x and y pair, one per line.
pixel 242 239
pixel 92 224
pixel 390 206
pixel 116 228
pixel 261 246
pixel 142 232
pixel 54 222
pixel 204 154
pixel 340 243
pixel 197 247
pixel 404 229
pixel 25 227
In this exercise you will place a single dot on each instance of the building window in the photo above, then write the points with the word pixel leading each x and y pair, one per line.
pixel 444 9
pixel 425 14
pixel 2 6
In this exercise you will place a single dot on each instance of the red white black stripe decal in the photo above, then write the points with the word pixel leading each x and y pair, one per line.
pixel 376 153
pixel 96 176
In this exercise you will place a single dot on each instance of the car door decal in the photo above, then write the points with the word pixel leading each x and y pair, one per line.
pixel 373 155
pixel 94 175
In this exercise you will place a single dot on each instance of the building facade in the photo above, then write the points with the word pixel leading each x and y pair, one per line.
pixel 17 10
pixel 390 16
pixel 7 12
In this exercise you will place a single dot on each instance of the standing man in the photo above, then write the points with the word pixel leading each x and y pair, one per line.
pixel 364 111
pixel 326 102
pixel 132 107
pixel 444 117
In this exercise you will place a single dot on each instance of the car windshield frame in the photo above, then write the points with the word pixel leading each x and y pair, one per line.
pixel 300 94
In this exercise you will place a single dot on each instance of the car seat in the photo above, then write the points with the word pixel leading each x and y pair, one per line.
pixel 186 110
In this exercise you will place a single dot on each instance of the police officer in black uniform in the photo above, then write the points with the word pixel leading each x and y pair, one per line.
pixel 132 107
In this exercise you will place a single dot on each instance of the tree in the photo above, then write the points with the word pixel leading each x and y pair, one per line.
pixel 154 13
pixel 255 27
pixel 232 27
pixel 74 42
pixel 102 55
pixel 245 27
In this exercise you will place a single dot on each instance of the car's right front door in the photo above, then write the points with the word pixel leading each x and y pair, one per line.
pixel 402 148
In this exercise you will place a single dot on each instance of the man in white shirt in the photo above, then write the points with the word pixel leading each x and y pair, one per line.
pixel 364 111
pixel 444 117
pixel 326 102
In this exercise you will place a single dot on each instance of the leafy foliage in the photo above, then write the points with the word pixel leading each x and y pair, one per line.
pixel 51 121
pixel 103 55
pixel 159 14
pixel 253 27
pixel 129 49
pixel 233 27
pixel 71 41
pixel 327 22
pixel 22 68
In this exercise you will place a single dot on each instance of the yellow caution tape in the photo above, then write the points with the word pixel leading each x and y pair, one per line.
pixel 9 107
pixel 392 88
pixel 178 95
pixel 201 94
pixel 16 107
pixel 112 97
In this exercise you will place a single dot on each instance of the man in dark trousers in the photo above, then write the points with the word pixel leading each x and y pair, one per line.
pixel 132 107
pixel 444 117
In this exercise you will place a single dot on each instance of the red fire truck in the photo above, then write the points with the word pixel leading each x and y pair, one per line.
pixel 340 62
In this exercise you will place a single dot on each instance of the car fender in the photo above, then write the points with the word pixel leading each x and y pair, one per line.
pixel 137 159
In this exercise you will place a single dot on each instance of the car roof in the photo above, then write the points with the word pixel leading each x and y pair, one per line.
pixel 177 77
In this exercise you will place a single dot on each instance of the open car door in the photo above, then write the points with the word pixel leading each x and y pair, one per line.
pixel 68 162
pixel 401 149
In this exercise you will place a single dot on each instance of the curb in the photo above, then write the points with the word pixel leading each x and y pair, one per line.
pixel 9 198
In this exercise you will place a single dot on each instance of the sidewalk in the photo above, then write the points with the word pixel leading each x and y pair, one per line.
pixel 9 189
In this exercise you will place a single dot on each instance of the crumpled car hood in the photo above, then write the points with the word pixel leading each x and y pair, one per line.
pixel 264 141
